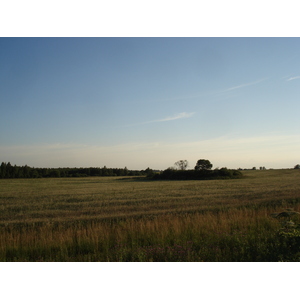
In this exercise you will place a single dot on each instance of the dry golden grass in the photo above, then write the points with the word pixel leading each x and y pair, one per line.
pixel 129 219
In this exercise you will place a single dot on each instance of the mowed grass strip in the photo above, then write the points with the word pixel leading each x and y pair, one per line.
pixel 26 200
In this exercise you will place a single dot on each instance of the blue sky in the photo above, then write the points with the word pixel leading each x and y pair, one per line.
pixel 148 102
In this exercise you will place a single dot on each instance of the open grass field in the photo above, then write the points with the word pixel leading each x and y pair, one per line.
pixel 134 219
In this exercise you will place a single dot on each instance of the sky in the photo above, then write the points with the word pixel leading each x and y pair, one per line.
pixel 149 102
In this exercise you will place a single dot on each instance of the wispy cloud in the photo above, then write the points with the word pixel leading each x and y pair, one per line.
pixel 183 115
pixel 245 84
pixel 293 78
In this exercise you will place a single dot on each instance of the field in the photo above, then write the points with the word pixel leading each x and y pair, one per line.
pixel 135 219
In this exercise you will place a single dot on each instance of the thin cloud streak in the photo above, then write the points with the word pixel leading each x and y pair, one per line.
pixel 245 84
pixel 182 115
pixel 293 78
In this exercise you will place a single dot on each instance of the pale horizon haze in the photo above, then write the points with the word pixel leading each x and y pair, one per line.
pixel 149 102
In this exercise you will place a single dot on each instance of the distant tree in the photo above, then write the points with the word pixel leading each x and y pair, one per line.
pixel 34 173
pixel 181 164
pixel 45 172
pixel 54 173
pixel 63 172
pixel 26 171
pixel 9 170
pixel 297 167
pixel 203 164
pixel 3 170
pixel 104 171
pixel 125 171
pixel 149 172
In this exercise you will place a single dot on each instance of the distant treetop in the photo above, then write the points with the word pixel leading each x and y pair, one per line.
pixel 203 164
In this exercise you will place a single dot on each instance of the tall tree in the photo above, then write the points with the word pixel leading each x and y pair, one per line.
pixel 181 164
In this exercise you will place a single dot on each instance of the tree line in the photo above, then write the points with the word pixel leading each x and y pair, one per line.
pixel 9 171
pixel 202 170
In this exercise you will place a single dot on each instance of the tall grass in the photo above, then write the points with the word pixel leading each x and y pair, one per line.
pixel 107 219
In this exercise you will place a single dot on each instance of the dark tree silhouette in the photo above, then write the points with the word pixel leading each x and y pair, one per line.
pixel 203 164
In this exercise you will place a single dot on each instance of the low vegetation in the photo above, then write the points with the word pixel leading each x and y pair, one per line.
pixel 137 219
pixel 223 173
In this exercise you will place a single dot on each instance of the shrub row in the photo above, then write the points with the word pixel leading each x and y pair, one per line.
pixel 172 174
